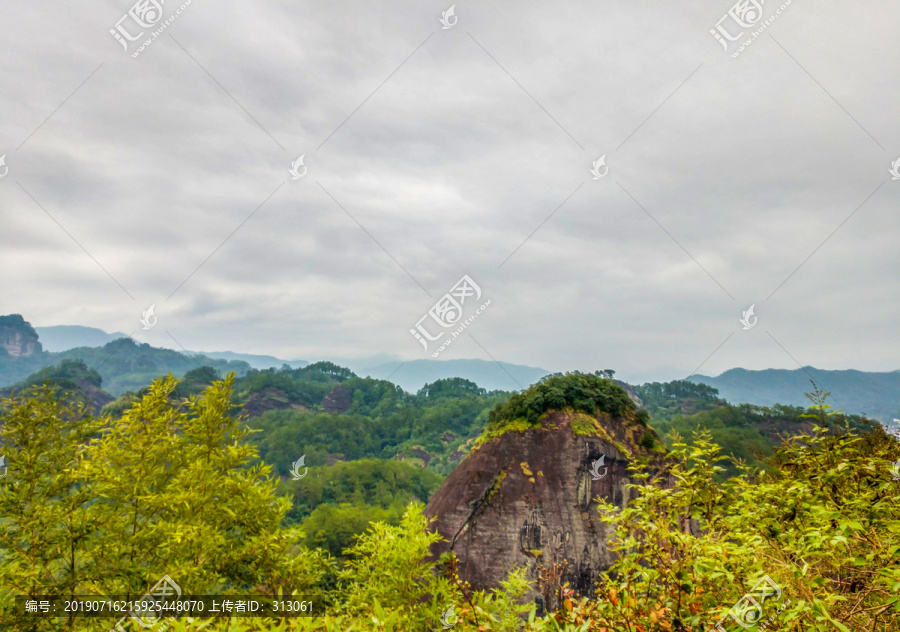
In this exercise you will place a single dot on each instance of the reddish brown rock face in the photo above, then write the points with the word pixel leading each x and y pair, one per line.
pixel 338 400
pixel 529 499
pixel 268 399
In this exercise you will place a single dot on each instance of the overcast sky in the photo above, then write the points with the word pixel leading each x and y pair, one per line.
pixel 433 153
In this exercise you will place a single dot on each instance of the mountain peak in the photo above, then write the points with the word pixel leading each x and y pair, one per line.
pixel 17 337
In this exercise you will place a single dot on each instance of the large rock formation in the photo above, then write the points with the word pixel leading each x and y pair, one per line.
pixel 18 337
pixel 527 497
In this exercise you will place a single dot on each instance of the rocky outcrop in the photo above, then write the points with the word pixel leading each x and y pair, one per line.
pixel 529 498
pixel 629 389
pixel 17 337
pixel 96 397
pixel 268 399
pixel 338 400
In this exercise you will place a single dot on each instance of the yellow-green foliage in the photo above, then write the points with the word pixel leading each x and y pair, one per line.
pixel 583 424
pixel 516 425
pixel 111 505
pixel 495 487
pixel 585 398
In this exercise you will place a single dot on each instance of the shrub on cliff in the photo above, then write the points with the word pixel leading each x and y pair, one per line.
pixel 579 391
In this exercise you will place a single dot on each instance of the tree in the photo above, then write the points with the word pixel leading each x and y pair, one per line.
pixel 179 498
pixel 109 506
pixel 585 393
pixel 336 528
pixel 324 370
pixel 45 524
pixel 453 387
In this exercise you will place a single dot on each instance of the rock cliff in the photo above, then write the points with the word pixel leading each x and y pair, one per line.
pixel 527 496
pixel 18 337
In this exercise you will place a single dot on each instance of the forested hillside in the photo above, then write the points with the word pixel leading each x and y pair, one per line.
pixel 123 364
pixel 822 521
pixel 746 433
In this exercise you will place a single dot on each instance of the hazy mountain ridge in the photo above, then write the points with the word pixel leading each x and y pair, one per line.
pixel 255 360
pixel 123 364
pixel 128 365
pixel 856 392
pixel 492 376
pixel 58 338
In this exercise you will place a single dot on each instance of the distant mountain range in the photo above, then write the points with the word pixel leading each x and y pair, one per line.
pixel 254 360
pixel 64 337
pixel 857 392
pixel 60 338
pixel 414 374
pixel 410 376
pixel 129 366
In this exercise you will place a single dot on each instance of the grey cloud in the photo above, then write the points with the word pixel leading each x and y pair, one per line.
pixel 450 165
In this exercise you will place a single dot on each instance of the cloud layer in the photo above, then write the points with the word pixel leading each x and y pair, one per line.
pixel 434 153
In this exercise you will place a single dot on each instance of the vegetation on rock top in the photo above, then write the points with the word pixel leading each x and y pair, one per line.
pixel 579 392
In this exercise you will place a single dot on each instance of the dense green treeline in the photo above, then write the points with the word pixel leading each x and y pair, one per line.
pixel 380 420
pixel 365 482
pixel 335 504
pixel 746 433
pixel 367 462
